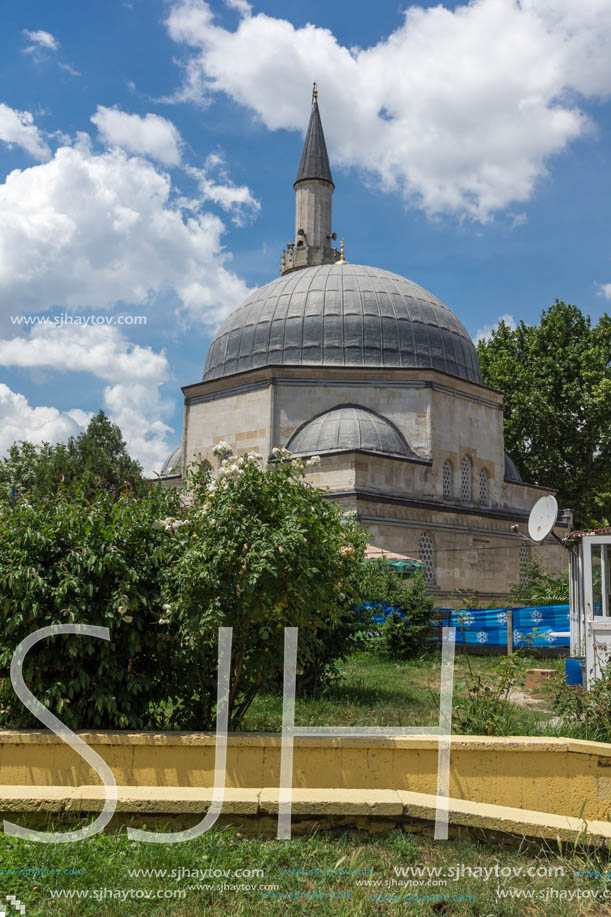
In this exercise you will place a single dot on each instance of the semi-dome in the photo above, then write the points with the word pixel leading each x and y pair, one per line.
pixel 349 426
pixel 172 463
pixel 511 470
pixel 342 315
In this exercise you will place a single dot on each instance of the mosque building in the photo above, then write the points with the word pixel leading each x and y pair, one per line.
pixel 375 375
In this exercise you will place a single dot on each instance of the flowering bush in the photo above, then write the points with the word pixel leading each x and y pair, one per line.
pixel 262 549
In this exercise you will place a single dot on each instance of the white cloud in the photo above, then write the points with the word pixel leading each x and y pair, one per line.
pixel 236 199
pixel 138 409
pixel 485 333
pixel 518 219
pixel 131 398
pixel 89 229
pixel 604 289
pixel 152 135
pixel 459 110
pixel 243 8
pixel 98 349
pixel 20 421
pixel 17 127
pixel 69 68
pixel 40 39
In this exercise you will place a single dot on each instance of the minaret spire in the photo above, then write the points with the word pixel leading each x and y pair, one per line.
pixel 313 189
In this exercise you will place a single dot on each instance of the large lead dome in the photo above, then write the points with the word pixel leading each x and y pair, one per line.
pixel 342 315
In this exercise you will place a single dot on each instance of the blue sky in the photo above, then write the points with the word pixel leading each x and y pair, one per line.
pixel 469 145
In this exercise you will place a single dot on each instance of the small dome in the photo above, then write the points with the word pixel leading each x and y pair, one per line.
pixel 172 464
pixel 511 471
pixel 349 427
pixel 342 315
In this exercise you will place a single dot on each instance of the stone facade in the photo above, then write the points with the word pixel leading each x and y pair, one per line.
pixel 463 532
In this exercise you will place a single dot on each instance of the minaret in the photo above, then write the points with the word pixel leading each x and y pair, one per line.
pixel 313 190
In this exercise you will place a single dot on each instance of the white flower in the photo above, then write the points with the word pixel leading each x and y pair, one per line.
pixel 313 460
pixel 128 619
pixel 222 449
pixel 167 607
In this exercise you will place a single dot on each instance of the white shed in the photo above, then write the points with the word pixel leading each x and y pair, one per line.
pixel 590 600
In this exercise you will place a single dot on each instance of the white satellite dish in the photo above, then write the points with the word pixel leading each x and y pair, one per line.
pixel 542 518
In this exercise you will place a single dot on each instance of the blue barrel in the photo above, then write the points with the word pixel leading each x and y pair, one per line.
pixel 573 672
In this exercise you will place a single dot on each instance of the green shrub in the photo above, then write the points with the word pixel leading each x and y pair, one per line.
pixel 585 713
pixel 541 588
pixel 75 560
pixel 485 709
pixel 405 631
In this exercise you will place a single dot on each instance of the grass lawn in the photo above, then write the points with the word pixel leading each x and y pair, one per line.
pixel 374 691
pixel 351 874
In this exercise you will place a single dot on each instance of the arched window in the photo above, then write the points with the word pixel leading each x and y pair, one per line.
pixel 524 562
pixel 447 475
pixel 466 475
pixel 427 556
pixel 483 487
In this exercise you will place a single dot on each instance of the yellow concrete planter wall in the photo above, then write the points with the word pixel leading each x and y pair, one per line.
pixel 548 776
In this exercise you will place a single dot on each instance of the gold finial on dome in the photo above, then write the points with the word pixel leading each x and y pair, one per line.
pixel 342 260
pixel 314 93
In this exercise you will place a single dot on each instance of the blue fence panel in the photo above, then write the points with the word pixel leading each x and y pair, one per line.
pixel 380 611
pixel 539 625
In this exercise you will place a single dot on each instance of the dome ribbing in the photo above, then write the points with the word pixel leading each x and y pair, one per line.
pixel 342 315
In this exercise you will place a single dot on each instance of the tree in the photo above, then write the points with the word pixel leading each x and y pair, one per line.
pixel 260 549
pixel 95 459
pixel 556 378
